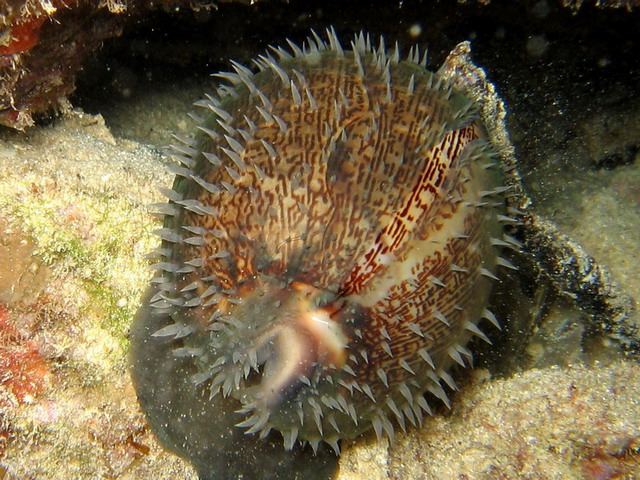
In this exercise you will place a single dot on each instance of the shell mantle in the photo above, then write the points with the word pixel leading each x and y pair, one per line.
pixel 331 238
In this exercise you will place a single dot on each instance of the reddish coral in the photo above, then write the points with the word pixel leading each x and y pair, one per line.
pixel 121 443
pixel 44 50
pixel 24 373
pixel 24 35
pixel 26 30
pixel 612 458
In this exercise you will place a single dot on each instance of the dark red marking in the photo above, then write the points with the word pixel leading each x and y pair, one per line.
pixel 392 236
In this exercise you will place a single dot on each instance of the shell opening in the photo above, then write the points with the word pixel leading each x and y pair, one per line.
pixel 303 341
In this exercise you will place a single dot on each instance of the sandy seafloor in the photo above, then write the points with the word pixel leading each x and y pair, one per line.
pixel 75 231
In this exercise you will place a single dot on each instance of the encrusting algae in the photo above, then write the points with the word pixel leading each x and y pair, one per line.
pixel 70 197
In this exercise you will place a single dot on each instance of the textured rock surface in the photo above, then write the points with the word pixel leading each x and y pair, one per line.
pixel 557 101
pixel 73 222
pixel 541 424
pixel 45 43
pixel 575 423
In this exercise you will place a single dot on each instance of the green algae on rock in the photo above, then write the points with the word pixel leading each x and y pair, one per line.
pixel 328 250
pixel 78 196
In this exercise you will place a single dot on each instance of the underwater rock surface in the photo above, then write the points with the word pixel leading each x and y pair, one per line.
pixel 73 216
pixel 557 101
pixel 575 423
pixel 328 249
